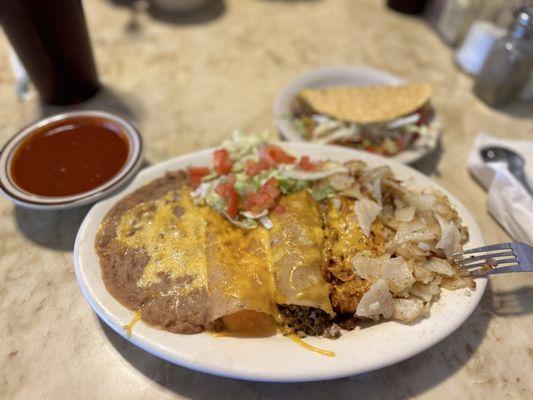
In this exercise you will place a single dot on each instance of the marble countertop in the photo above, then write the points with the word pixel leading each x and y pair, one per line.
pixel 188 83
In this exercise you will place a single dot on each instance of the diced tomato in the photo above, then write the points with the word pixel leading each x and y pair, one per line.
pixel 308 165
pixel 233 202
pixel 271 188
pixel 269 157
pixel 232 179
pixel 227 192
pixel 266 158
pixel 400 143
pixel 264 198
pixel 222 162
pixel 280 209
pixel 422 120
pixel 222 189
pixel 254 167
pixel 279 156
pixel 196 174
pixel 257 202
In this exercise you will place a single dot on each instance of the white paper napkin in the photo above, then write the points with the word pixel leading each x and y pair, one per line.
pixel 508 201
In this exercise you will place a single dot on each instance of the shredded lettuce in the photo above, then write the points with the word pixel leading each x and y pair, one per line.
pixel 245 223
pixel 209 176
pixel 290 185
pixel 244 185
pixel 322 193
pixel 390 146
pixel 427 133
pixel 299 125
pixel 411 128
pixel 286 184
pixel 214 200
pixel 244 145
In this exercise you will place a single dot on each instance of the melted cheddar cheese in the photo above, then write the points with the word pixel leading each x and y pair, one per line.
pixel 239 265
pixel 296 241
pixel 173 243
pixel 129 326
pixel 344 237
pixel 310 347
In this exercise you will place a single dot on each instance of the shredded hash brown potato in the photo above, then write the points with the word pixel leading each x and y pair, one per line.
pixel 388 249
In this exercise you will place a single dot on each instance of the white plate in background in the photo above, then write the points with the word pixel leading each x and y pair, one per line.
pixel 277 358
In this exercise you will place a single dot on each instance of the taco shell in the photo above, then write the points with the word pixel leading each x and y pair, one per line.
pixel 367 104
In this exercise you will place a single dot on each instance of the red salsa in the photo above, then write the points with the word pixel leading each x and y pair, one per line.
pixel 69 157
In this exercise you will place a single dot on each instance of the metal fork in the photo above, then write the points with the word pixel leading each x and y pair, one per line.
pixel 496 259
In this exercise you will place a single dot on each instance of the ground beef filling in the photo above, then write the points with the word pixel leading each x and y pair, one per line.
pixel 304 320
pixel 348 322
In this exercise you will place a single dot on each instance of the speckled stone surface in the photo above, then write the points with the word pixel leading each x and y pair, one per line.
pixel 188 84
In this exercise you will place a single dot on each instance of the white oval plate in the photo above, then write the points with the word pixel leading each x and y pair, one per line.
pixel 340 76
pixel 277 358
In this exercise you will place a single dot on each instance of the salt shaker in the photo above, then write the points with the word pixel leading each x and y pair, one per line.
pixel 477 45
pixel 509 64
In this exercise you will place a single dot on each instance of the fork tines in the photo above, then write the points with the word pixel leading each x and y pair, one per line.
pixel 487 258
